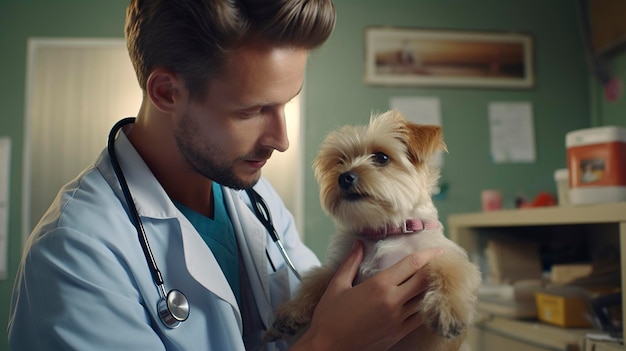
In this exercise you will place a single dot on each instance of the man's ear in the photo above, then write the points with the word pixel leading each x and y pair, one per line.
pixel 164 88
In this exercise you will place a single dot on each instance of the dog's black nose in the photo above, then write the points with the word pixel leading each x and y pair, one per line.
pixel 347 180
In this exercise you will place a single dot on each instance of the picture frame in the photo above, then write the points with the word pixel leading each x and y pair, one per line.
pixel 448 58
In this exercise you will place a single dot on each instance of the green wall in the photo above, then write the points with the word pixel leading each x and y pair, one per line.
pixel 560 99
pixel 335 94
pixel 19 20
pixel 610 113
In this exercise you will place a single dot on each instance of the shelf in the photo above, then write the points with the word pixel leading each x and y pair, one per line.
pixel 556 215
pixel 602 342
pixel 597 225
pixel 533 333
pixel 599 346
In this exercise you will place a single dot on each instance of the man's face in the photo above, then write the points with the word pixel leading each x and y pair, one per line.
pixel 230 135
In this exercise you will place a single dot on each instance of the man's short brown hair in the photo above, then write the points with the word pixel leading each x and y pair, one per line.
pixel 193 38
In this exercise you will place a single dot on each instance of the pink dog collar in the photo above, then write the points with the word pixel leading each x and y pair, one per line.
pixel 410 226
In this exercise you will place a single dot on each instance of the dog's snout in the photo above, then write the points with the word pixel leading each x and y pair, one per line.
pixel 347 180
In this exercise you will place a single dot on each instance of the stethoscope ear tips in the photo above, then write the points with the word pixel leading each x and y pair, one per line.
pixel 173 309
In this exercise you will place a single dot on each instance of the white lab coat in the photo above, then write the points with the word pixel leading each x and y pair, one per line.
pixel 84 283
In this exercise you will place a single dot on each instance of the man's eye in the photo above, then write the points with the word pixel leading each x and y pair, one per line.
pixel 257 111
pixel 251 113
pixel 380 158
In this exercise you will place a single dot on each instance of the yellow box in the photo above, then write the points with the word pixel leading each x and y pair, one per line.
pixel 563 310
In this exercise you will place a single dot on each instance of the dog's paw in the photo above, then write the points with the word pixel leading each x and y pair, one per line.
pixel 280 330
pixel 442 317
pixel 273 334
pixel 449 329
pixel 285 325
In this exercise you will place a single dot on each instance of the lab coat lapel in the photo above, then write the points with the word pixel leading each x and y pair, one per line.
pixel 152 201
pixel 203 266
pixel 251 238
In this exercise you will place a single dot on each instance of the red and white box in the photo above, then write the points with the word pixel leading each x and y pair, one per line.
pixel 596 162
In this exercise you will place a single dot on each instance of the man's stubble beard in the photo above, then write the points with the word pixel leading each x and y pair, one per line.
pixel 201 157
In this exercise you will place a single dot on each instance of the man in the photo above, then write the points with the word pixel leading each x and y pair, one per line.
pixel 216 76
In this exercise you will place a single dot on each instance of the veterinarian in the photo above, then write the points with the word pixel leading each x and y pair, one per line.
pixel 156 246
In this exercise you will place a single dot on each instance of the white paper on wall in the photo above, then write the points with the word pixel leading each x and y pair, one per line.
pixel 418 109
pixel 512 132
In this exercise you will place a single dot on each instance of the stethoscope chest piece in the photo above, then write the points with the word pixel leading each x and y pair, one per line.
pixel 173 309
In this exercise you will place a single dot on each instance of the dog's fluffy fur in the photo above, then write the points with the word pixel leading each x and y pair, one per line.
pixel 391 181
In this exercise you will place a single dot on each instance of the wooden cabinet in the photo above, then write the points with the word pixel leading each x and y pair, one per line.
pixel 602 345
pixel 600 229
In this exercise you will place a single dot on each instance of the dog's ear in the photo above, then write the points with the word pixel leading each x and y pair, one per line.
pixel 424 141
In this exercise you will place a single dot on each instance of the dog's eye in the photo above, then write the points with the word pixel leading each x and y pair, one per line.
pixel 380 158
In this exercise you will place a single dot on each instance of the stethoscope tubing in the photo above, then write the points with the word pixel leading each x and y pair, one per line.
pixel 263 214
pixel 143 238
pixel 173 307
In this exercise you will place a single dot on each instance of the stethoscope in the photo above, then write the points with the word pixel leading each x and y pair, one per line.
pixel 173 306
pixel 262 212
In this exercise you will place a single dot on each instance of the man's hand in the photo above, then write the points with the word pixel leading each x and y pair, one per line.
pixel 373 315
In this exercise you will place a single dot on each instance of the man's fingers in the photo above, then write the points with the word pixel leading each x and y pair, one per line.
pixel 402 271
pixel 414 305
pixel 347 271
pixel 411 322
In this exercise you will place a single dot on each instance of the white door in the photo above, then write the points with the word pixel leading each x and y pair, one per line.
pixel 76 90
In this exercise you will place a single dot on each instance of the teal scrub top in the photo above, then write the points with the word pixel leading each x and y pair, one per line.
pixel 219 235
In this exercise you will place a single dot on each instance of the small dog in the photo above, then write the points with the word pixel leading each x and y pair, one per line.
pixel 375 182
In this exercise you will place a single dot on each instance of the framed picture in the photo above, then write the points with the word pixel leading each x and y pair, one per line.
pixel 446 58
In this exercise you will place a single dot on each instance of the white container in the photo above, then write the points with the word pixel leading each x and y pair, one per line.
pixel 561 177
pixel 596 162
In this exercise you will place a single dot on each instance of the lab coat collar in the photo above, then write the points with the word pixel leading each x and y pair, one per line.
pixel 150 198
pixel 152 201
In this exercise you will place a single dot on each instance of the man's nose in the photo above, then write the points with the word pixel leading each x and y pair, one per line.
pixel 276 132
